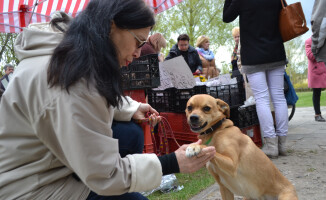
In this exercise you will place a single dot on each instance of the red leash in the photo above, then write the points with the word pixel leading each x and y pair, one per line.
pixel 163 128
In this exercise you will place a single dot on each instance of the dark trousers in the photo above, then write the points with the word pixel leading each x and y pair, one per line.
pixel 131 141
pixel 316 92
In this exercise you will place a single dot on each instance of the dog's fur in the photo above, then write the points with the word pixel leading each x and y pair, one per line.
pixel 239 166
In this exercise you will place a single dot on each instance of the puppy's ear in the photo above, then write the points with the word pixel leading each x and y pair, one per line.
pixel 224 106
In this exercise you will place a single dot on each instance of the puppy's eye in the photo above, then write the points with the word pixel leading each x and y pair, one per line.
pixel 189 108
pixel 206 108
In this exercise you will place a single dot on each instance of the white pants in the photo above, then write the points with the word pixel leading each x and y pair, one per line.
pixel 263 84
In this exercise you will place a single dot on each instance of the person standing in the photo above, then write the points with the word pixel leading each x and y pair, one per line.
pixel 57 114
pixel 318 28
pixel 9 69
pixel 234 56
pixel 316 79
pixel 207 57
pixel 188 52
pixel 263 59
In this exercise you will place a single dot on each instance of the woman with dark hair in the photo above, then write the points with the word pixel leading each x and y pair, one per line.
pixel 57 125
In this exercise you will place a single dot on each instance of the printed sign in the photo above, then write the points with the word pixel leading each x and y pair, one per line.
pixel 175 73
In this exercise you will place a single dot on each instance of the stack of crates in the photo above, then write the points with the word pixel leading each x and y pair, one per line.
pixel 246 119
pixel 140 75
pixel 175 100
pixel 243 117
pixel 172 99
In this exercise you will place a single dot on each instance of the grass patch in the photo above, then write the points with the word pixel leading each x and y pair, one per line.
pixel 305 99
pixel 193 184
pixel 311 169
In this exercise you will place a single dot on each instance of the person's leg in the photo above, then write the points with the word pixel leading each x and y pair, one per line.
pixel 316 93
pixel 131 141
pixel 130 136
pixel 126 196
pixel 275 79
pixel 316 100
pixel 259 87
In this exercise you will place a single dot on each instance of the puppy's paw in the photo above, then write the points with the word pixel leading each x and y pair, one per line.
pixel 193 150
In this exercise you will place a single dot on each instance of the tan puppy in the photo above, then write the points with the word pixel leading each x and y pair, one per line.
pixel 239 166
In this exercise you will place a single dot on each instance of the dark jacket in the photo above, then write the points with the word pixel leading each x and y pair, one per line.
pixel 261 41
pixel 194 61
pixel 2 78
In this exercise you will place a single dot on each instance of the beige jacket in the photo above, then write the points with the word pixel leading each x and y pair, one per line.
pixel 47 134
pixel 209 68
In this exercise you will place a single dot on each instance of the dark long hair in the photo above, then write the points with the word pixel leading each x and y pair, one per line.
pixel 88 52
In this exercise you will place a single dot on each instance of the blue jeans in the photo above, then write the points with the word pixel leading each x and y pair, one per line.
pixel 131 141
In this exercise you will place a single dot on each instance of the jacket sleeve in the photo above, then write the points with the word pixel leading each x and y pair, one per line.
pixel 170 55
pixel 127 110
pixel 231 10
pixel 318 27
pixel 198 62
pixel 309 53
pixel 76 128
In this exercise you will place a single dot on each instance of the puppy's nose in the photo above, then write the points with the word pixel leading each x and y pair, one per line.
pixel 194 118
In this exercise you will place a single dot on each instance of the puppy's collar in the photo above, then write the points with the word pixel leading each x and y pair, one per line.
pixel 212 128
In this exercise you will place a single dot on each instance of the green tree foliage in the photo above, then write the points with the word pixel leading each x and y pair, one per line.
pixel 196 18
pixel 298 63
pixel 7 52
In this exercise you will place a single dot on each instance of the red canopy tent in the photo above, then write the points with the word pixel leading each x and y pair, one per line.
pixel 15 14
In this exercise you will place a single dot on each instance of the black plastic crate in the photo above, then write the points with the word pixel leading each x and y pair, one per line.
pixel 141 73
pixel 231 94
pixel 244 116
pixel 172 99
pixel 160 100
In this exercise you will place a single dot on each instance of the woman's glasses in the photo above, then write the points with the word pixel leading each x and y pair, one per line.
pixel 141 43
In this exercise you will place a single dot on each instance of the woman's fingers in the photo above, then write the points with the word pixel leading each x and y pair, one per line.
pixel 192 164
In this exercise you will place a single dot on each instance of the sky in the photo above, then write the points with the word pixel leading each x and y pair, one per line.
pixel 223 54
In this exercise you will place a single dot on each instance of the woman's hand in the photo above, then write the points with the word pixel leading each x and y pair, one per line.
pixel 193 164
pixel 145 108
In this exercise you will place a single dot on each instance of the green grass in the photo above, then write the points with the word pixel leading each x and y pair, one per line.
pixel 193 184
pixel 305 99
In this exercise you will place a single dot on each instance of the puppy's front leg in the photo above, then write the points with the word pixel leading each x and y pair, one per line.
pixel 194 149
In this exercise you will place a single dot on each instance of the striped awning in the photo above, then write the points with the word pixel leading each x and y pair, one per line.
pixel 15 14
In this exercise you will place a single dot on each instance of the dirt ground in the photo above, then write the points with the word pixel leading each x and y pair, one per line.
pixel 307 172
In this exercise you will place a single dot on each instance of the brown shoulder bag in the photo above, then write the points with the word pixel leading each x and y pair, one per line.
pixel 292 22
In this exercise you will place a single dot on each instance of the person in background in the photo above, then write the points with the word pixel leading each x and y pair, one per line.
pixel 236 66
pixel 263 60
pixel 207 57
pixel 56 135
pixel 234 56
pixel 316 79
pixel 154 45
pixel 9 69
pixel 188 52
pixel 318 28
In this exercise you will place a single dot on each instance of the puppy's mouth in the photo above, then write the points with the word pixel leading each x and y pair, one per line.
pixel 197 127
